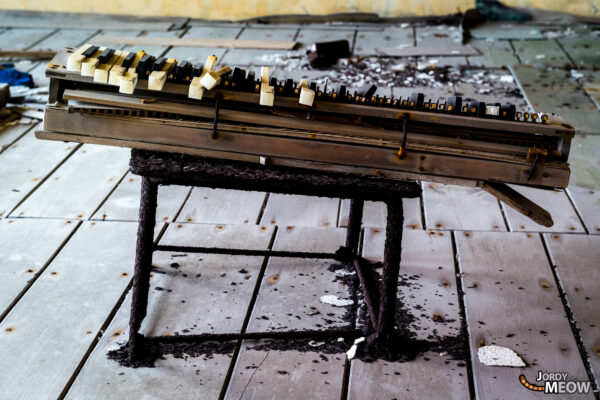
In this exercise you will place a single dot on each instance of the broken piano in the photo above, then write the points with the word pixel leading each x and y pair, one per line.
pixel 132 99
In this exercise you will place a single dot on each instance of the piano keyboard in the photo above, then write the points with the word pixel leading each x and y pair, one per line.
pixel 298 123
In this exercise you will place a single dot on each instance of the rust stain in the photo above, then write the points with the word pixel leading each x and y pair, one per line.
pixel 117 333
pixel 273 279
pixel 10 329
pixel 545 284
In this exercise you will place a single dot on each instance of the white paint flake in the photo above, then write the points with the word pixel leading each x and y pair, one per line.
pixel 336 301
pixel 499 356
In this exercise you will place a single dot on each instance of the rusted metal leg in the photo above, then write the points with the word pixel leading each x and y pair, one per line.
pixel 354 224
pixel 391 268
pixel 143 263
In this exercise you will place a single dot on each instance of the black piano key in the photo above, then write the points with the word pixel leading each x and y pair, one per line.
pixel 416 100
pixel 477 108
pixel 250 80
pixel 128 60
pixel 288 87
pixel 273 81
pixel 238 75
pixel 313 86
pixel 183 71
pixel 454 104
pixel 158 64
pixel 106 55
pixel 197 70
pixel 341 92
pixel 367 91
pixel 90 51
pixel 508 111
pixel 145 64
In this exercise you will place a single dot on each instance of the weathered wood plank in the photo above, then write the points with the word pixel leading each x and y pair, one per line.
pixel 22 39
pixel 294 210
pixel 555 202
pixel 47 333
pixel 123 204
pixel 575 258
pixel 583 50
pixel 181 378
pixel 494 54
pixel 65 37
pixel 97 42
pixel 154 50
pixel 554 91
pixel 22 169
pixel 207 205
pixel 428 256
pixel 196 55
pixel 461 208
pixel 10 134
pixel 259 57
pixel 204 293
pixel 292 375
pixel 368 42
pixel 77 188
pixel 585 163
pixel 22 260
pixel 511 300
pixel 375 214
pixel 506 30
pixel 291 289
pixel 587 202
pixel 438 35
pixel 541 53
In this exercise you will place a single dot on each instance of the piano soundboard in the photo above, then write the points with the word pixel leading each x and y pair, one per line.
pixel 133 99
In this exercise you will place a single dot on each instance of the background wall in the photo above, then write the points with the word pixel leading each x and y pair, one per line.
pixel 242 9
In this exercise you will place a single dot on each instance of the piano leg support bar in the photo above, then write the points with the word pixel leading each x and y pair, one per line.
pixel 143 264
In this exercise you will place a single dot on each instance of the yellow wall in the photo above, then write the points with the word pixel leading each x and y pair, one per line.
pixel 242 9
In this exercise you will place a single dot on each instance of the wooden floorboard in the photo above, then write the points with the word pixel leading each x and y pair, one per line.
pixel 78 187
pixel 546 53
pixel 47 333
pixel 259 57
pixel 587 203
pixel 375 214
pixel 199 54
pixel 553 91
pixel 491 86
pixel 494 54
pixel 65 37
pixel 584 161
pixel 506 30
pixel 555 202
pixel 22 39
pixel 576 258
pixel 583 50
pixel 22 169
pixel 461 208
pixel 295 210
pixel 123 204
pixel 370 43
pixel 171 378
pixel 430 295
pixel 203 293
pixel 293 375
pixel 290 291
pixel 511 300
pixel 23 260
pixel 207 205
pixel 10 134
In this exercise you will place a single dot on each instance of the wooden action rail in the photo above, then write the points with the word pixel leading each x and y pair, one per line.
pixel 112 97
pixel 170 169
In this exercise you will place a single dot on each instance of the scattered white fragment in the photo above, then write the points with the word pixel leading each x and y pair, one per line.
pixel 576 74
pixel 336 301
pixel 443 353
pixel 352 352
pixel 344 272
pixel 499 356
pixel 540 56
pixel 313 343
pixel 340 339
pixel 507 79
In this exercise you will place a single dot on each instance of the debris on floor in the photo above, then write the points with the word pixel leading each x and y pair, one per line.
pixel 499 357
pixel 336 301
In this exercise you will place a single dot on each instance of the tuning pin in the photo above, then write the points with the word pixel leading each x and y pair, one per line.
pixel 545 118
pixel 507 111
pixel 526 116
pixel 519 115
pixel 427 104
pixel 454 104
pixel 534 117
pixel 477 108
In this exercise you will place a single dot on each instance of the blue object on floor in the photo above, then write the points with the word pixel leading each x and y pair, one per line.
pixel 8 74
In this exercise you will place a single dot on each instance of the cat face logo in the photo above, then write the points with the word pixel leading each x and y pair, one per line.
pixel 555 383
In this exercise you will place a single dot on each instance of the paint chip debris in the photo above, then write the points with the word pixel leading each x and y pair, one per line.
pixel 499 356
pixel 336 301
pixel 352 352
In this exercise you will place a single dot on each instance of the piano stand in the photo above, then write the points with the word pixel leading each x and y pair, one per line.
pixel 174 169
